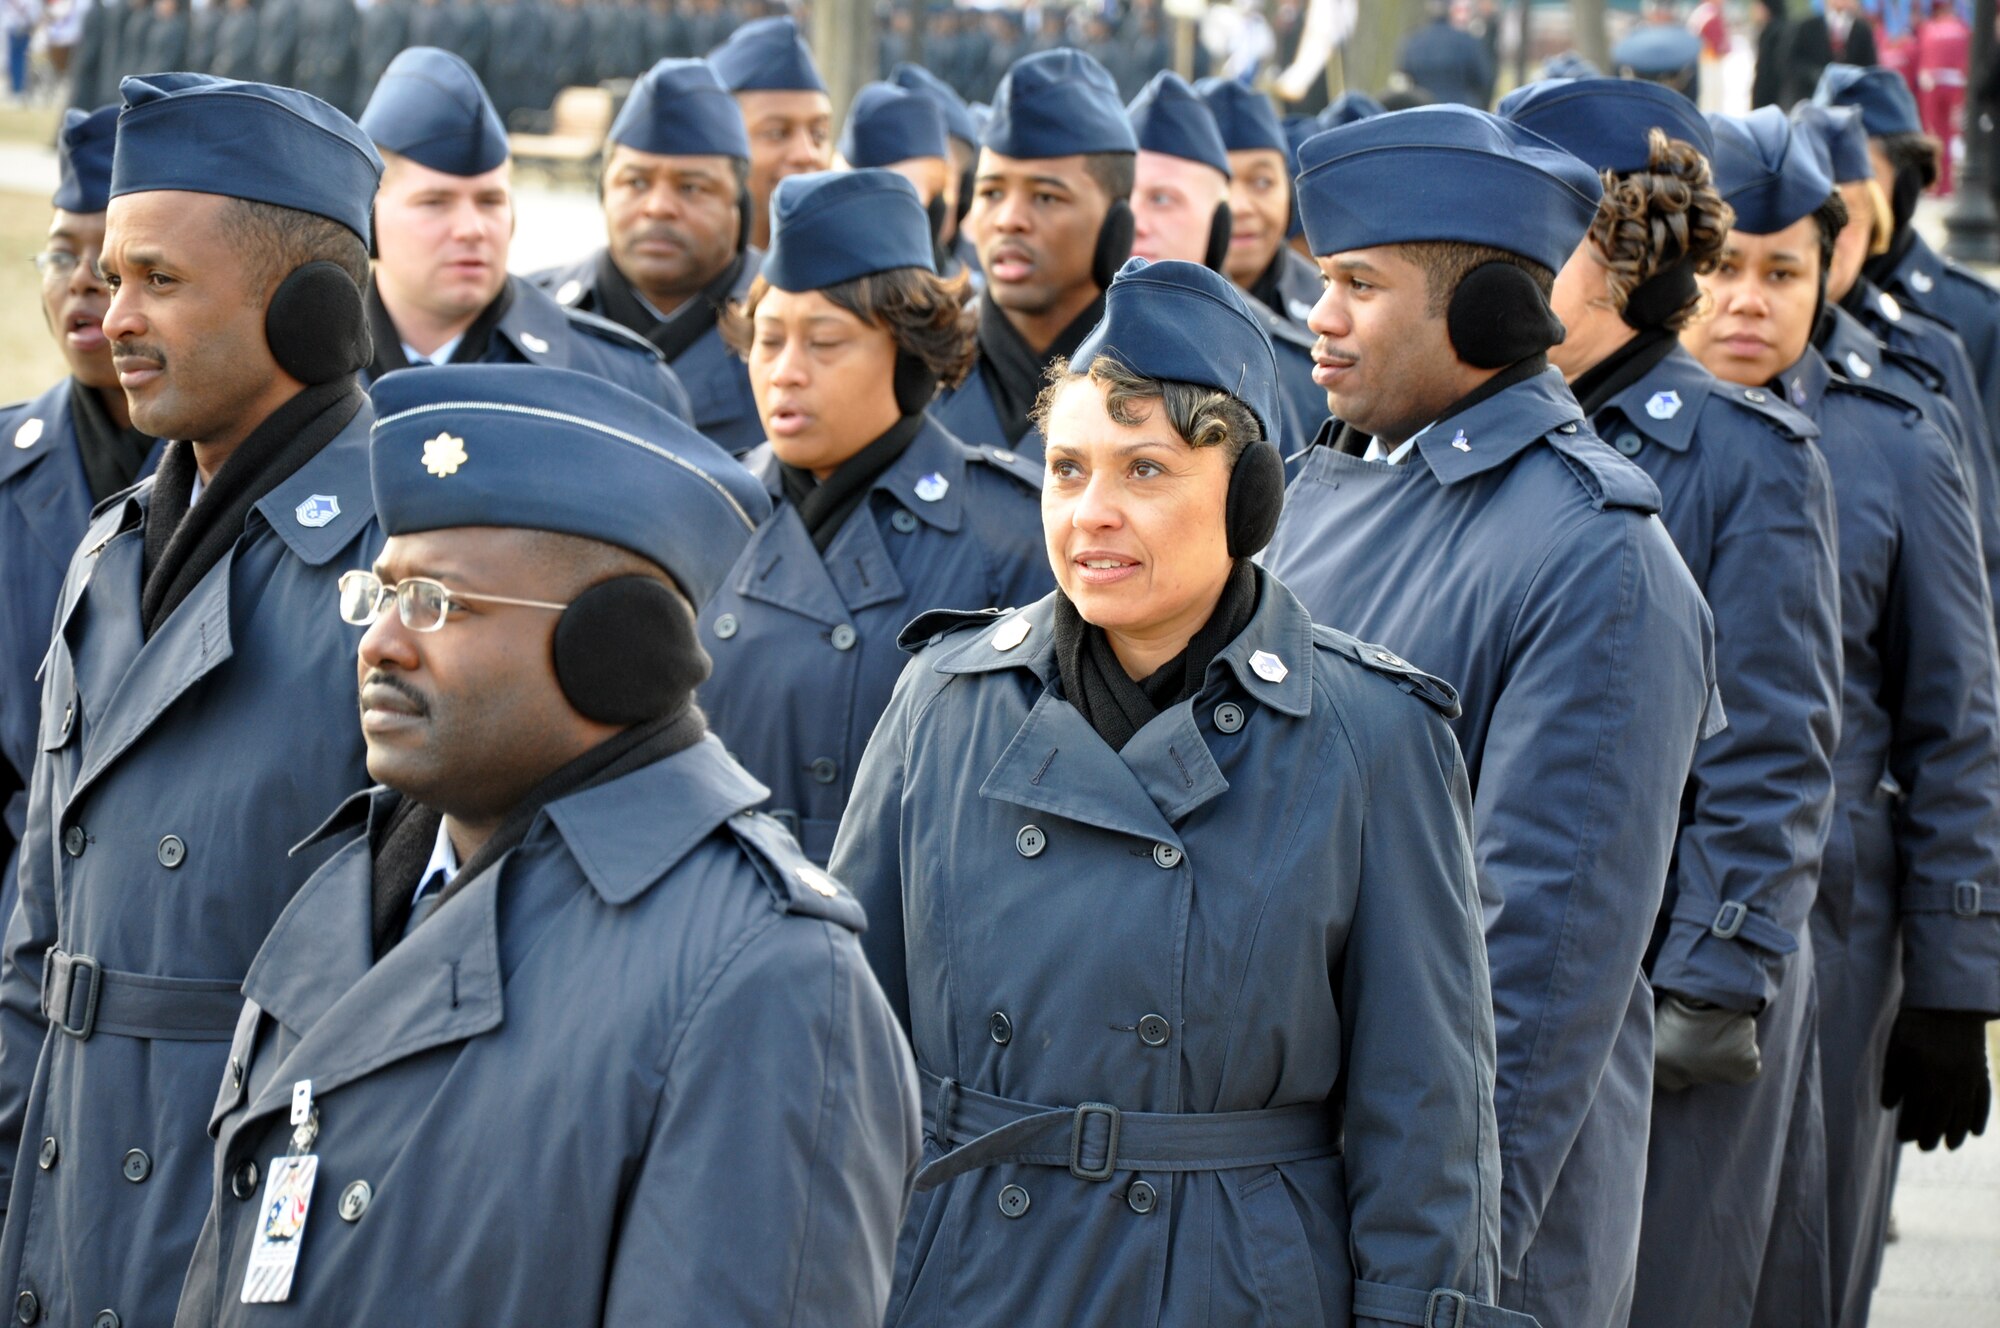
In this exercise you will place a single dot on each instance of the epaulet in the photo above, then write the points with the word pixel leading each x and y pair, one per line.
pixel 933 626
pixel 606 330
pixel 1441 695
pixel 1610 479
pixel 797 884
pixel 1971 278
pixel 20 438
pixel 1904 407
pixel 1789 421
pixel 1926 373
pixel 1010 463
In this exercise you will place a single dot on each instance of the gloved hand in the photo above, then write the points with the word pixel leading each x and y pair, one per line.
pixel 1936 1071
pixel 1698 1043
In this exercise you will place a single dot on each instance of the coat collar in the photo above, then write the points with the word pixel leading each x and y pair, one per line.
pixel 1851 350
pixel 339 473
pixel 1665 404
pixel 1498 429
pixel 1919 274
pixel 43 424
pixel 1299 285
pixel 1805 383
pixel 933 452
pixel 536 327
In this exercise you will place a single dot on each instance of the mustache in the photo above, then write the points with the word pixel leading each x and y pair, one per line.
pixel 660 230
pixel 377 678
pixel 143 350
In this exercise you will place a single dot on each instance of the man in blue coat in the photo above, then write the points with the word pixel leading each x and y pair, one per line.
pixel 444 219
pixel 1052 220
pixel 1906 925
pixel 61 454
pixel 895 129
pixel 556 980
pixel 1462 511
pixel 962 134
pixel 769 70
pixel 677 208
pixel 195 714
pixel 1749 502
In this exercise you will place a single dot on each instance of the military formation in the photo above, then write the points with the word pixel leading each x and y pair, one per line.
pixel 1094 710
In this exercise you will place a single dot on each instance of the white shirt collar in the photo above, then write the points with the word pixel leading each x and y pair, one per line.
pixel 440 869
pixel 1402 452
pixel 442 355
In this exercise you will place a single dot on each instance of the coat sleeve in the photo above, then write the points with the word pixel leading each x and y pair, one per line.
pixel 1610 668
pixel 782 1156
pixel 1762 789
pixel 1945 747
pixel 1422 1152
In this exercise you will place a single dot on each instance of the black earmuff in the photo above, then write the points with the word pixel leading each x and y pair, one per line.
pixel 745 219
pixel 939 215
pixel 626 651
pixel 966 181
pixel 1256 497
pixel 316 325
pixel 1114 243
pixel 374 250
pixel 915 383
pixel 1498 316
pixel 1219 227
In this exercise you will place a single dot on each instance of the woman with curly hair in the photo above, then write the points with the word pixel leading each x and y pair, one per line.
pixel 879 513
pixel 1747 498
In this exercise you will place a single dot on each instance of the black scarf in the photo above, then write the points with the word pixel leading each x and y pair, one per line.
pixel 824 506
pixel 111 456
pixel 1346 438
pixel 1012 369
pixel 620 302
pixel 183 545
pixel 1622 368
pixel 1882 267
pixel 402 847
pixel 471 348
pixel 1268 289
pixel 1107 697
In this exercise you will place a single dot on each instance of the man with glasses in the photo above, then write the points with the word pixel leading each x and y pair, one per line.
pixel 657 1057
pixel 61 454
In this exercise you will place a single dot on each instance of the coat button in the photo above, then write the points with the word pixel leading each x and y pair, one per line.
pixel 105 1319
pixel 1031 841
pixel 998 1026
pixel 138 1166
pixel 243 1180
pixel 823 771
pixel 1142 1197
pixel 236 1072
pixel 1628 443
pixel 27 1307
pixel 73 841
pixel 1167 856
pixel 354 1201
pixel 51 1150
pixel 1154 1030
pixel 902 522
pixel 843 637
pixel 172 852
pixel 1013 1201
pixel 725 626
pixel 1228 717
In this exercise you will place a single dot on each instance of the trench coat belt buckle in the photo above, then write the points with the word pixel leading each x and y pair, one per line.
pixel 1094 1140
pixel 80 997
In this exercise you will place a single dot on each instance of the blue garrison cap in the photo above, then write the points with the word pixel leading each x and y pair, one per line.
pixel 1886 104
pixel 83 155
pixel 1604 121
pixel 1657 50
pixel 679 108
pixel 958 121
pixel 1056 104
pixel 1568 64
pixel 536 448
pixel 888 124
pixel 833 226
pixel 1840 137
pixel 1246 118
pixel 1447 173
pixel 430 107
pixel 1768 174
pixel 766 55
pixel 252 141
pixel 1349 107
pixel 1182 323
pixel 1168 118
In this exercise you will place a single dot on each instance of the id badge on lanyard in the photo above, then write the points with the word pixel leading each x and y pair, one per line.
pixel 281 1222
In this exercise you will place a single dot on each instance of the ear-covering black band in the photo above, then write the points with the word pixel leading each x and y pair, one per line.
pixel 1219 227
pixel 1256 498
pixel 915 383
pixel 316 325
pixel 1659 297
pixel 1498 316
pixel 626 652
pixel 1114 243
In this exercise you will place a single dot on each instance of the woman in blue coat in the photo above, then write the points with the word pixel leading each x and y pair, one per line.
pixel 879 512
pixel 1174 894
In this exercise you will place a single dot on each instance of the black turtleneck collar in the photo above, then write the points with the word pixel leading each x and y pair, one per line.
pixel 825 505
pixel 1012 369
pixel 471 348
pixel 1596 386
pixel 618 299
pixel 111 456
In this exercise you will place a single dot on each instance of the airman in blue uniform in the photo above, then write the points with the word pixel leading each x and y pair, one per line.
pixel 1173 890
pixel 769 70
pixel 878 512
pixel 1749 502
pixel 1463 512
pixel 197 700
pixel 893 128
pixel 720 1124
pixel 962 134
pixel 1906 927
pixel 678 212
pixel 444 220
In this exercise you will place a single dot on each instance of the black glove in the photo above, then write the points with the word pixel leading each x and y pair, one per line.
pixel 1698 1043
pixel 1936 1071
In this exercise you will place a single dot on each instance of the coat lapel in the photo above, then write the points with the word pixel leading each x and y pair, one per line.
pixel 1056 763
pixel 782 567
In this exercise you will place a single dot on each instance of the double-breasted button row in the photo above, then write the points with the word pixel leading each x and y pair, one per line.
pixel 1013 1201
pixel 243 1179
pixel 138 1166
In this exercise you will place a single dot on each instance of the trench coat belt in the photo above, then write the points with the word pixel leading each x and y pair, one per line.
pixel 81 997
pixel 1094 1139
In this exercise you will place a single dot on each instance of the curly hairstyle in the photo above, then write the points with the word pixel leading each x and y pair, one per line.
pixel 925 313
pixel 1652 219
pixel 1202 416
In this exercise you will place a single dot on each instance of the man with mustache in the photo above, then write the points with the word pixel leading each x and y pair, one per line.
pixel 193 720
pixel 444 217
pixel 1052 219
pixel 678 210
pixel 60 454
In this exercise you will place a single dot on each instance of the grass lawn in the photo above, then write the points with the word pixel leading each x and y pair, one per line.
pixel 29 360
